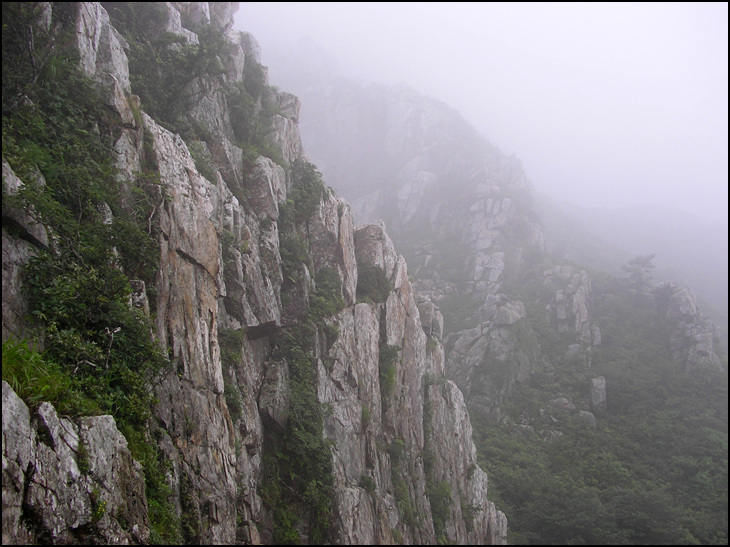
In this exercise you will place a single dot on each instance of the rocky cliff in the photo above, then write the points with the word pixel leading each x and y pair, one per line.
pixel 299 403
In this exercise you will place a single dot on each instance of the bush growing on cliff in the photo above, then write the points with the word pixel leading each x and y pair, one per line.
pixel 308 189
pixel 252 124
pixel 327 299
pixel 299 458
pixel 386 365
pixel 35 378
pixel 372 283
pixel 439 496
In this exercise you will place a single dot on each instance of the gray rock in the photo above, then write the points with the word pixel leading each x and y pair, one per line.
pixel 598 394
pixel 61 478
pixel 692 337
pixel 274 395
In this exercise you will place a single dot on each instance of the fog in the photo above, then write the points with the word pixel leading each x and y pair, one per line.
pixel 605 104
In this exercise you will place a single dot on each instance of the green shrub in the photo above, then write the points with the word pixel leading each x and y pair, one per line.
pixel 366 415
pixel 368 483
pixel 396 450
pixel 387 370
pixel 327 298
pixel 203 159
pixel 431 344
pixel 403 500
pixel 469 512
pixel 294 252
pixel 308 190
pixel 230 342
pixel 372 283
pixel 300 457
pixel 234 401
pixel 36 378
pixel 100 354
pixel 254 78
pixel 227 240
pixel 252 126
pixel 439 496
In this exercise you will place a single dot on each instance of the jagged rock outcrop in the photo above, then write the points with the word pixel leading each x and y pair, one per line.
pixel 692 336
pixel 572 307
pixel 22 237
pixel 488 360
pixel 220 298
pixel 426 415
pixel 68 481
pixel 599 401
pixel 464 215
pixel 458 207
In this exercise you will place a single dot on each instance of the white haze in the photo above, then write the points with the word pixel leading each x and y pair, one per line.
pixel 611 104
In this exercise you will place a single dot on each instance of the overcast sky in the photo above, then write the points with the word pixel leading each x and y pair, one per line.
pixel 605 104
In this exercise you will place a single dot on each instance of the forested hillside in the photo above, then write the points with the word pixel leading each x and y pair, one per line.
pixel 651 468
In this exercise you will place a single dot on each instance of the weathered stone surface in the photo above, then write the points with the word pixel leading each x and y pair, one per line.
pixel 692 337
pixel 18 455
pixel 65 482
pixel 363 419
pixel 374 246
pixel 23 223
pixel 21 240
pixel 289 105
pixel 598 394
pixel 431 319
pixel 103 57
pixel 509 314
pixel 332 243
pixel 266 188
pixel 572 306
pixel 221 14
pixel 192 10
pixel 274 395
pixel 486 362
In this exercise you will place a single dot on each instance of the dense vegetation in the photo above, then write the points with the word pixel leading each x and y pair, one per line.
pixel 653 470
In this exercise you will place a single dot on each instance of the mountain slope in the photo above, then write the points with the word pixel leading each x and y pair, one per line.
pixel 257 362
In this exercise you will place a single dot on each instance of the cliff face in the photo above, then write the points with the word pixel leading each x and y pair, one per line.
pixel 225 299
